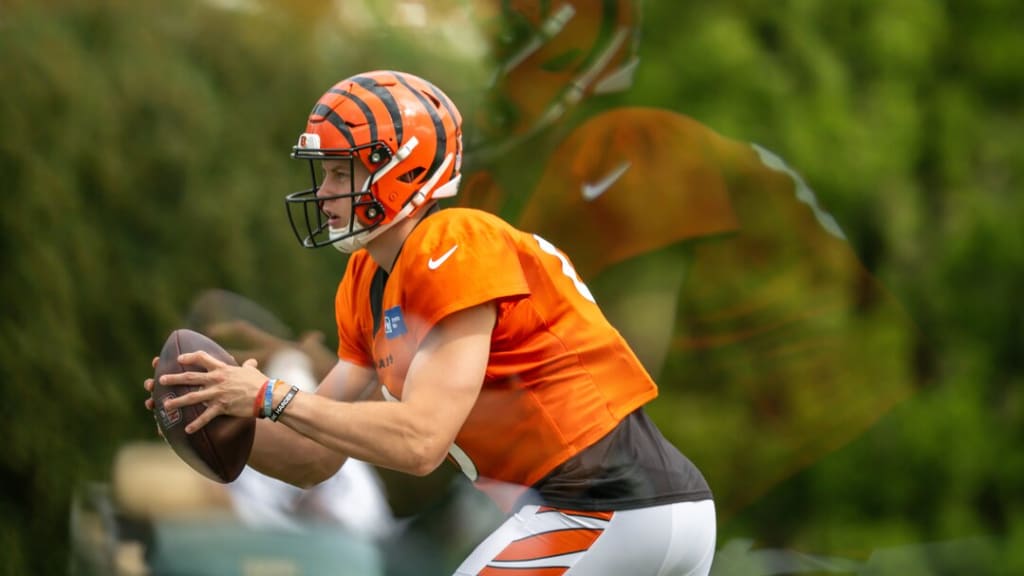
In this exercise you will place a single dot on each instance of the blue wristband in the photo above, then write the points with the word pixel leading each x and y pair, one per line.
pixel 268 398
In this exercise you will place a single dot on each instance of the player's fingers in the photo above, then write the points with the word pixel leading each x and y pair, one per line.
pixel 149 404
pixel 159 432
pixel 194 397
pixel 156 360
pixel 148 384
pixel 208 414
pixel 251 363
pixel 185 378
pixel 199 358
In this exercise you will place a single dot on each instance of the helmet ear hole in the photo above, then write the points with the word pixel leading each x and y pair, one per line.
pixel 411 176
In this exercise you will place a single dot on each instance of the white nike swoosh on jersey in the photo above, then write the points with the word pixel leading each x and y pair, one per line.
pixel 435 264
pixel 593 190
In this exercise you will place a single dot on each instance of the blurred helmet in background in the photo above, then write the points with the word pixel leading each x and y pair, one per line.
pixel 542 56
pixel 548 56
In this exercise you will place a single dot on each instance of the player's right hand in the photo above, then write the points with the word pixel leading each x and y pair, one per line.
pixel 148 385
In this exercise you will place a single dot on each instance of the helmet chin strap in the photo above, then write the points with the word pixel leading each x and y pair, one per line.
pixel 352 238
pixel 357 238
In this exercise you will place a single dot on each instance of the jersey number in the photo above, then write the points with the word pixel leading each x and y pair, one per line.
pixel 567 268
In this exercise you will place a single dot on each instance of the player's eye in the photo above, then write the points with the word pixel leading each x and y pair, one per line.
pixel 337 174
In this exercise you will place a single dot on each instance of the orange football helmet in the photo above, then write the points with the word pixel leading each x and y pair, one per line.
pixel 403 129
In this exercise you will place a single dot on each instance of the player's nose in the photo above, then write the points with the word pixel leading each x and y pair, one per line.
pixel 325 189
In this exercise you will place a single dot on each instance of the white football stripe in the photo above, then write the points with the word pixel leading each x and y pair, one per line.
pixel 555 520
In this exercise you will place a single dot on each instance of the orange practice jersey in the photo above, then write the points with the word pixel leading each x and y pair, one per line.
pixel 559 377
pixel 784 345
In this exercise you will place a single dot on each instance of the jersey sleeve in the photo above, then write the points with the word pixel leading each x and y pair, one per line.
pixel 466 259
pixel 349 313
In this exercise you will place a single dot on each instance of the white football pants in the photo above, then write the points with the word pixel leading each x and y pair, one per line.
pixel 669 540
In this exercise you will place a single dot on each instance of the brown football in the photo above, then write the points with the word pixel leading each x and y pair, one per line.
pixel 218 450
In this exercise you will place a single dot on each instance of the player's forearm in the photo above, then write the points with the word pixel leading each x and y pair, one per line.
pixel 388 434
pixel 289 455
pixel 285 454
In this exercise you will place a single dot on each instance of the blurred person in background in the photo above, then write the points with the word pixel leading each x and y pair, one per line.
pixel 463 338
pixel 157 495
pixel 353 498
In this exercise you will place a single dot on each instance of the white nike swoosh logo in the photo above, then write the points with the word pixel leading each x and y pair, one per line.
pixel 435 264
pixel 593 190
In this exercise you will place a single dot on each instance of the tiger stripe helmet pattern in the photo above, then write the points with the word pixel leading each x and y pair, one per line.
pixel 403 129
pixel 549 55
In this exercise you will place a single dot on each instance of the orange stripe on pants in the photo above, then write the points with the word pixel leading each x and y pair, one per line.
pixel 554 543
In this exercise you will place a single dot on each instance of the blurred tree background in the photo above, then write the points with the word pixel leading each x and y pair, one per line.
pixel 906 118
pixel 143 158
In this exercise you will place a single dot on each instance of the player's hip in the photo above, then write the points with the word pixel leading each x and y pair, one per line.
pixel 669 539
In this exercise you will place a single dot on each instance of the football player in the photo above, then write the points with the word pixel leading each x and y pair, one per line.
pixel 486 345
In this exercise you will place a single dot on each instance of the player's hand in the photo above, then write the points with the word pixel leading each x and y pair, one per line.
pixel 148 385
pixel 226 389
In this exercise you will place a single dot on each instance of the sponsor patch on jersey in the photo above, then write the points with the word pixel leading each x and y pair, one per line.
pixel 394 324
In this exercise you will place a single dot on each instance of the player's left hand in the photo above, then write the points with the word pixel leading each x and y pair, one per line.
pixel 226 390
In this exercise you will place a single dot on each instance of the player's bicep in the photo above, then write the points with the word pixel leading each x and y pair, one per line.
pixel 446 375
pixel 348 382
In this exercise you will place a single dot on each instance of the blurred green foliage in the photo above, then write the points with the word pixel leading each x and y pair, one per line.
pixel 143 158
pixel 906 118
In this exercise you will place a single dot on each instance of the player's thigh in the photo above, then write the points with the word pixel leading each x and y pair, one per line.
pixel 669 540
pixel 662 540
